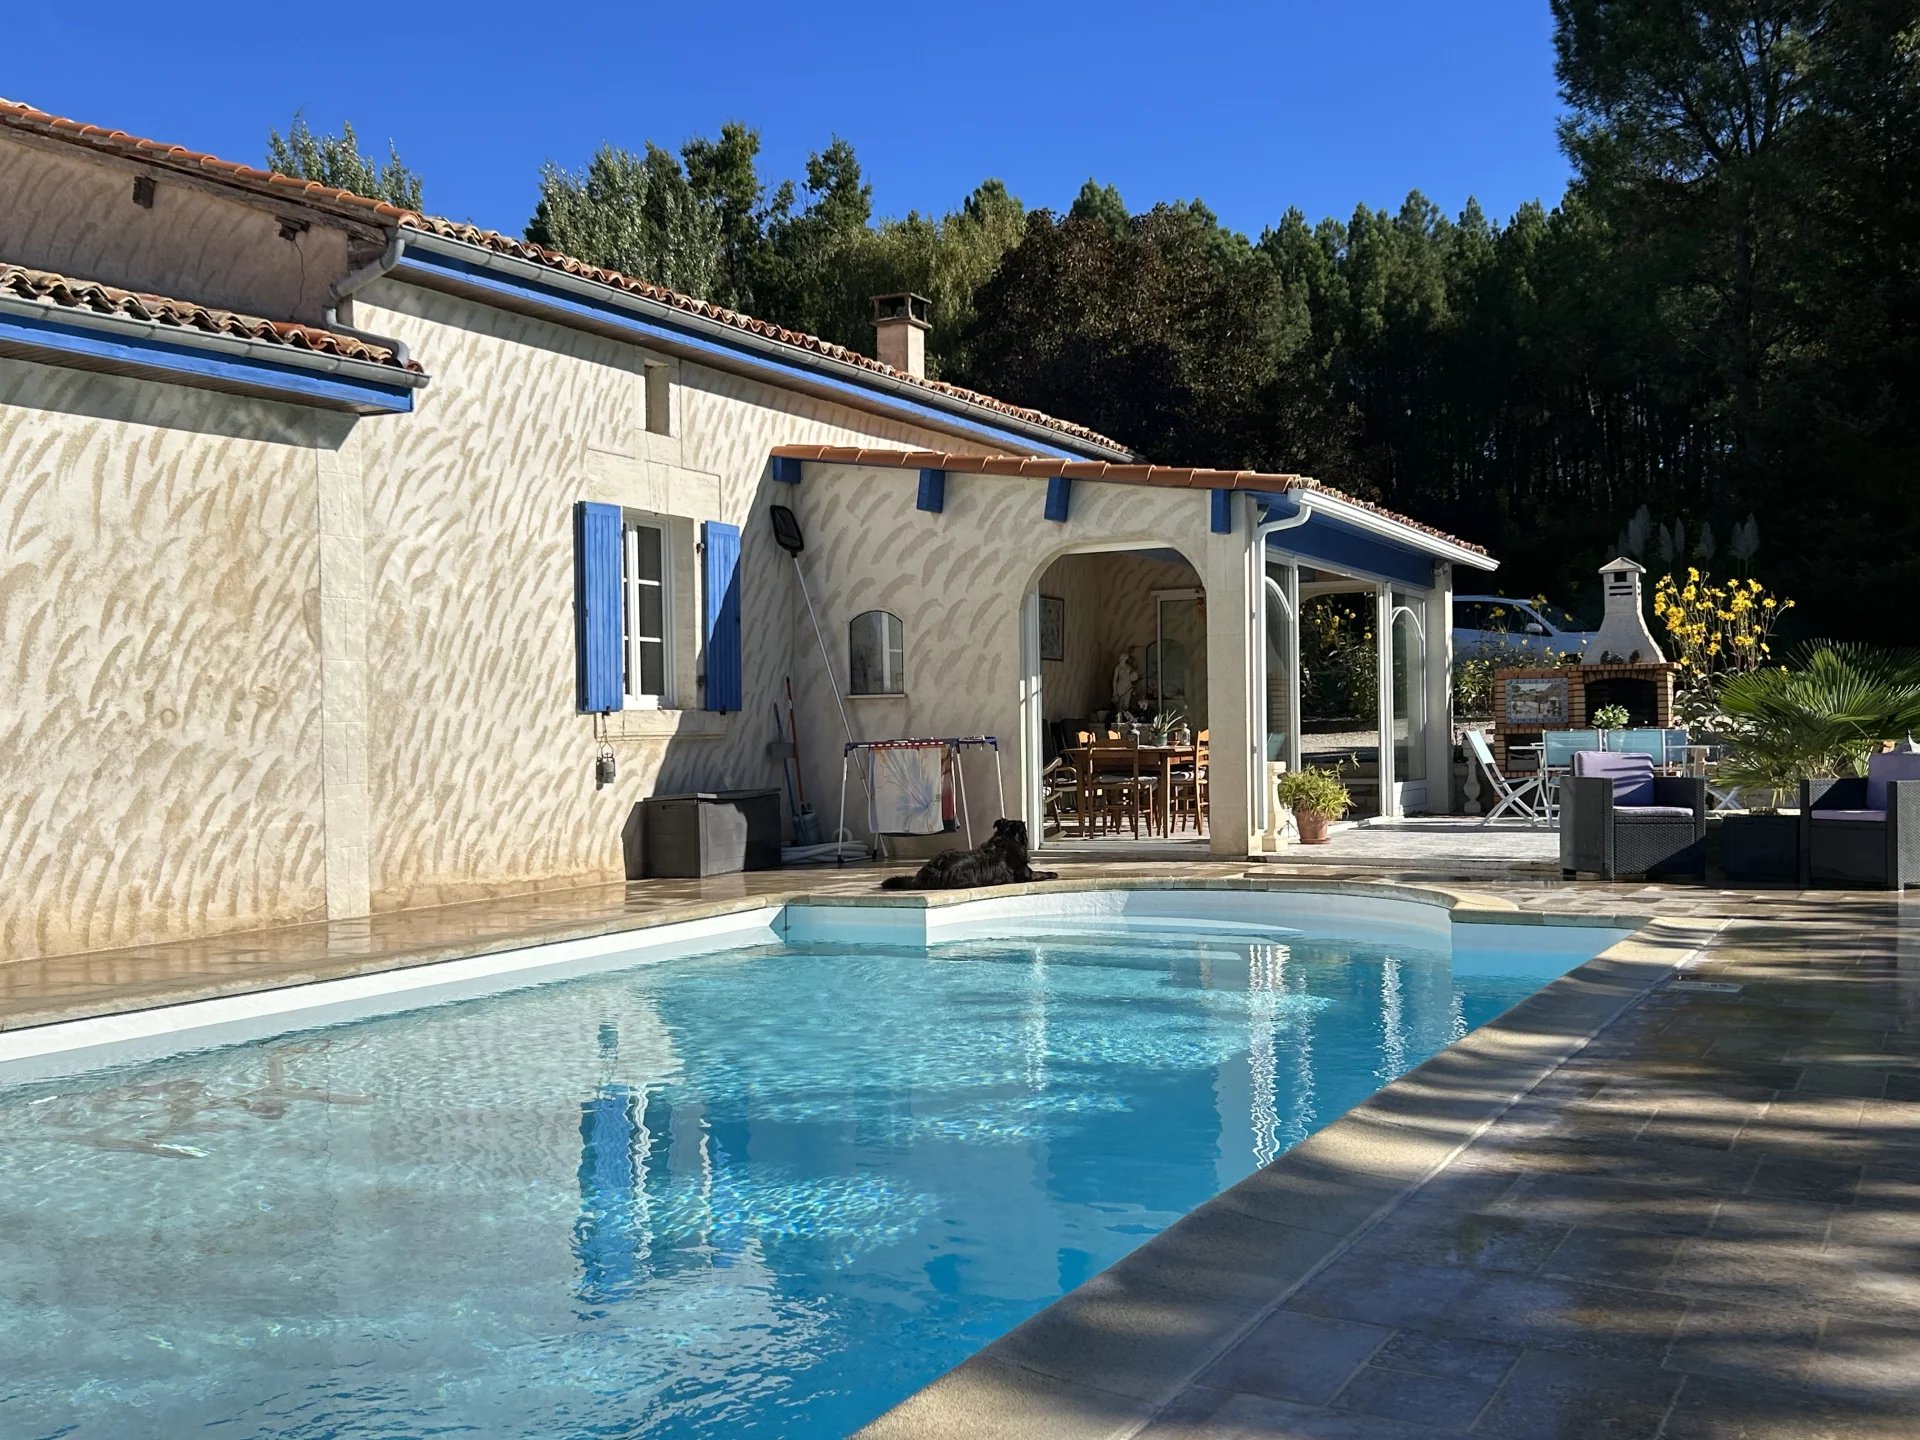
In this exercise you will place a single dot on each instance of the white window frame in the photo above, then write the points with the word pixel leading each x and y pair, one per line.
pixel 632 522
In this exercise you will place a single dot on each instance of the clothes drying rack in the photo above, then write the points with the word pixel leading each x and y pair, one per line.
pixel 954 743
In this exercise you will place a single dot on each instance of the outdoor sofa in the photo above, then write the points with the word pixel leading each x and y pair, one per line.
pixel 1619 818
pixel 1863 830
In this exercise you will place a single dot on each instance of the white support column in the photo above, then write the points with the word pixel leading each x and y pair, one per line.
pixel 1383 659
pixel 1440 690
pixel 1232 577
pixel 343 682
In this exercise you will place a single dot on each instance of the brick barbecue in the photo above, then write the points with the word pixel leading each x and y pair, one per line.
pixel 1563 697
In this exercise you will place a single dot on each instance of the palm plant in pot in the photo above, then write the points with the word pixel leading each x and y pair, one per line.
pixel 1317 798
pixel 1819 716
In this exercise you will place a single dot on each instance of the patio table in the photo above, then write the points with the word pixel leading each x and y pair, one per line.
pixel 1167 756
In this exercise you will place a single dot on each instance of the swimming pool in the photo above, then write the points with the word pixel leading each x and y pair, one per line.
pixel 764 1191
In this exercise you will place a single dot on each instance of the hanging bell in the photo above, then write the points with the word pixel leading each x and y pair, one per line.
pixel 603 767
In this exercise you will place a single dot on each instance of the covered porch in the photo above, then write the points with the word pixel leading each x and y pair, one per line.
pixel 1357 614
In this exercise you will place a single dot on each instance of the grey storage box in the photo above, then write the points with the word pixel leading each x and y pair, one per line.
pixel 711 832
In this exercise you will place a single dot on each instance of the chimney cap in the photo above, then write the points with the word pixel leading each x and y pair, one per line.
pixel 915 310
pixel 1622 563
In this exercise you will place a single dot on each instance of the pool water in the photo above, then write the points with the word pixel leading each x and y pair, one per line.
pixel 767 1192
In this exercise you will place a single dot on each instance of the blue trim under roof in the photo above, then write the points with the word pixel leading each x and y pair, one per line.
pixel 431 268
pixel 1344 547
pixel 88 348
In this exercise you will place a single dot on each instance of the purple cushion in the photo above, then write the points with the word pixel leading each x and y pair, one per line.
pixel 1627 814
pixel 1632 775
pixel 1876 817
pixel 1887 766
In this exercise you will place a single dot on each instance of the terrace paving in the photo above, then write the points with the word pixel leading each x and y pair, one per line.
pixel 1631 1207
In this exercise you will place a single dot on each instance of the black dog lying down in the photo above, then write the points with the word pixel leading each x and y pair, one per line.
pixel 1002 860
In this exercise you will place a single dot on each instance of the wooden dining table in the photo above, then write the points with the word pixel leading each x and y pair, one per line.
pixel 1118 755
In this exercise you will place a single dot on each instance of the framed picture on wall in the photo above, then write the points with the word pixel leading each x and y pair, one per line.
pixel 1053 628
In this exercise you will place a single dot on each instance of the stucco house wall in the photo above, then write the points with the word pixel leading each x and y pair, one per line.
pixel 479 773
pixel 160 764
pixel 73 213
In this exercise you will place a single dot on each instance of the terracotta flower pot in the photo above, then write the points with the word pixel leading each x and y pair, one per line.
pixel 1313 828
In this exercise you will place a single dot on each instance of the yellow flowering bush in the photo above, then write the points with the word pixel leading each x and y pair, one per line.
pixel 1716 628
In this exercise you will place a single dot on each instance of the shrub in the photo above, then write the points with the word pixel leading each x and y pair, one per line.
pixel 1822 714
pixel 1312 790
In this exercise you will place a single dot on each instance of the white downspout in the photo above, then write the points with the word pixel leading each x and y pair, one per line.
pixel 343 289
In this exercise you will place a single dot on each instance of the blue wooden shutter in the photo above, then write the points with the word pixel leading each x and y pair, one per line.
pixel 722 549
pixel 596 606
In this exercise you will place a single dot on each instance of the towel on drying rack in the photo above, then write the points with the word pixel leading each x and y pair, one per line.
pixel 912 789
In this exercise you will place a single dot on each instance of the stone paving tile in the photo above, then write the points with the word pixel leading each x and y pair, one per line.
pixel 1601 1201
pixel 1448 1402
pixel 1290 1356
pixel 1749 1408
pixel 1223 1415
pixel 1602 1321
pixel 1604 1257
pixel 1743 1340
pixel 1831 1181
pixel 1572 1397
pixel 1445 1234
pixel 1873 1363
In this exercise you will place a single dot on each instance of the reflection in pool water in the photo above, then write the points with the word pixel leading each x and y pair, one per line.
pixel 768 1192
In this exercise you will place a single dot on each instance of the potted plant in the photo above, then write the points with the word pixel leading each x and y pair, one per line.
pixel 1160 728
pixel 1820 716
pixel 1317 799
pixel 1611 717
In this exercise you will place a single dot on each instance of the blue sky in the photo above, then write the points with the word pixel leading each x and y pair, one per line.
pixel 1252 108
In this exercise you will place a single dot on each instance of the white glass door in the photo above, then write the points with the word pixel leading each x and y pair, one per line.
pixel 1407 704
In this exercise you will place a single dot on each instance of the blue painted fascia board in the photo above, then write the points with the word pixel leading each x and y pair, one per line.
pixel 786 470
pixel 86 347
pixel 1341 547
pixel 933 491
pixel 1222 518
pixel 1059 497
pixel 426 266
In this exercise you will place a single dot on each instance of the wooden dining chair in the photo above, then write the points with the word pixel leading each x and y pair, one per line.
pixel 1124 786
pixel 1188 795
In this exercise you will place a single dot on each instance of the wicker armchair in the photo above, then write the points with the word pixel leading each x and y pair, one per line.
pixel 1863 831
pixel 1618 818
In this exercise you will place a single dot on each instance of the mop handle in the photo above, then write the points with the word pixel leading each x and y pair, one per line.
pixel 825 658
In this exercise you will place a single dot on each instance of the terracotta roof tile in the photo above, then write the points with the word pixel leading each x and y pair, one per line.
pixel 17 116
pixel 1175 477
pixel 65 293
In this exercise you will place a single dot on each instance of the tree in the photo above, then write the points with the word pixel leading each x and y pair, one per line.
pixel 723 175
pixel 336 160
pixel 813 249
pixel 637 214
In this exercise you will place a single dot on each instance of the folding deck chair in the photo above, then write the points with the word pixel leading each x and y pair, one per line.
pixel 1527 797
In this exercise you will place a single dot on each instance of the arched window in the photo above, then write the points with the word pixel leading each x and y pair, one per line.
pixel 876 655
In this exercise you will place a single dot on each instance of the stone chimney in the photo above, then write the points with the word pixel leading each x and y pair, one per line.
pixel 1623 635
pixel 900 324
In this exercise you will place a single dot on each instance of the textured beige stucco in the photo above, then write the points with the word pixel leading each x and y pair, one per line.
pixel 74 214
pixel 958 581
pixel 480 773
pixel 159 713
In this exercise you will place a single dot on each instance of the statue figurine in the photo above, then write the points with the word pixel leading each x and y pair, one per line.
pixel 1125 679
